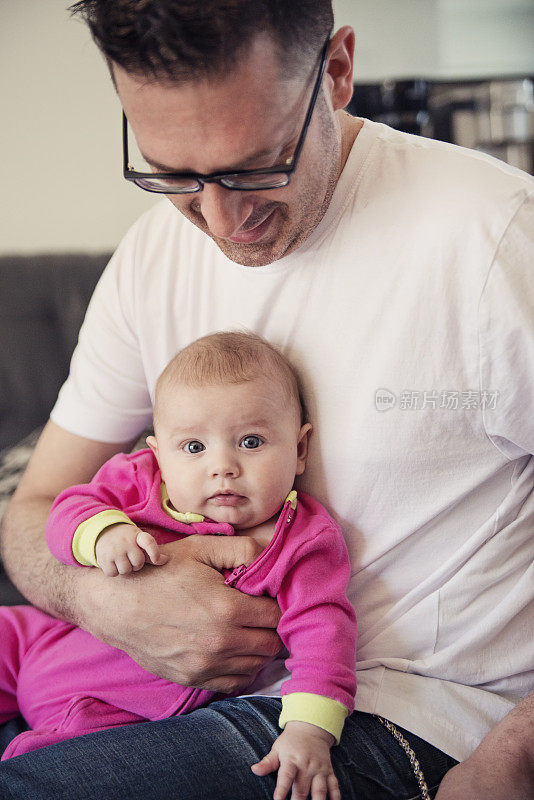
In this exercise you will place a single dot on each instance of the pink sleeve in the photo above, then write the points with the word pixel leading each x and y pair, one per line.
pixel 124 483
pixel 318 624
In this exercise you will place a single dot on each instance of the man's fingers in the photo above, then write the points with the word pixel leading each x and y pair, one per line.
pixel 226 684
pixel 225 552
pixel 254 644
pixel 233 675
pixel 247 611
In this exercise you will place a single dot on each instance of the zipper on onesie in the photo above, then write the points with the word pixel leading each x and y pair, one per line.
pixel 289 514
pixel 231 579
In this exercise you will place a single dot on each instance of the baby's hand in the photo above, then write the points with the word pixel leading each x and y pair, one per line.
pixel 123 548
pixel 301 754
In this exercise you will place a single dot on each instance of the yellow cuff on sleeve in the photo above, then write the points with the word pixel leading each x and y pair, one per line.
pixel 321 711
pixel 87 533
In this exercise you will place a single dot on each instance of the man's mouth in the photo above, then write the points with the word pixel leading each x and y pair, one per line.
pixel 253 234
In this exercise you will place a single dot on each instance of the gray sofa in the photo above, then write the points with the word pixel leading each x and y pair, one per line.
pixel 42 304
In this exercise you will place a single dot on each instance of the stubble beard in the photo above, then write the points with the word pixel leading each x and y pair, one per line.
pixel 287 235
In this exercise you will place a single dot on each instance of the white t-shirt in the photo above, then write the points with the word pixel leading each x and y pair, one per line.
pixel 409 313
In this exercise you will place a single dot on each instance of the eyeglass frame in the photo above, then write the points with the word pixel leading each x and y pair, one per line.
pixel 217 177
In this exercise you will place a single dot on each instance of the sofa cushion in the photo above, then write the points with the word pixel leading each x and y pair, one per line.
pixel 43 302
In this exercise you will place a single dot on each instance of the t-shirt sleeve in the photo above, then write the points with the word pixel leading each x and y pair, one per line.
pixel 106 397
pixel 506 338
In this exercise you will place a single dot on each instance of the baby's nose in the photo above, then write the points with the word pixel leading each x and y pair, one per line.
pixel 225 465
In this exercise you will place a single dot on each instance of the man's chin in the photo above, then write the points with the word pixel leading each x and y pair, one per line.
pixel 251 255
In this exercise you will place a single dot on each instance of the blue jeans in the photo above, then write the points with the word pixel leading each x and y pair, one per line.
pixel 207 754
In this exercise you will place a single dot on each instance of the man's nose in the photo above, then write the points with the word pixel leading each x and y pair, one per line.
pixel 224 210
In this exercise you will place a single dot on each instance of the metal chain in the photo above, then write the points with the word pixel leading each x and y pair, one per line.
pixel 418 772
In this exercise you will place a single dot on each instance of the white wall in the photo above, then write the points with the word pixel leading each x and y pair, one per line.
pixel 485 37
pixel 439 39
pixel 394 38
pixel 60 136
pixel 60 124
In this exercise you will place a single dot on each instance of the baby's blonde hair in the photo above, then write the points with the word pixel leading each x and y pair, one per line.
pixel 230 357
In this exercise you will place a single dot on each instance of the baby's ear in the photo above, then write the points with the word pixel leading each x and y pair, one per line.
pixel 153 444
pixel 302 447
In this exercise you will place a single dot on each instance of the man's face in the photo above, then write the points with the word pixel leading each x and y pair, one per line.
pixel 251 118
pixel 229 452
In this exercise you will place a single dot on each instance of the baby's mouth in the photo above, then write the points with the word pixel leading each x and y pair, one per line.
pixel 225 497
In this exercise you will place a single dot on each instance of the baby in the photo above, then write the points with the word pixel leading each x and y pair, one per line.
pixel 229 439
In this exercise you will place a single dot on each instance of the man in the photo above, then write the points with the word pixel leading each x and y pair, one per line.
pixel 374 260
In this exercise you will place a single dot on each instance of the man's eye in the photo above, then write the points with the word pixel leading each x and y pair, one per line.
pixel 251 442
pixel 194 447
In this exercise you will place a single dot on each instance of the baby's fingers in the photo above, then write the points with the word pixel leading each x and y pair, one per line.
pixel 323 786
pixel 147 543
pixel 136 557
pixel 108 568
pixel 286 777
pixel 123 565
pixel 334 792
pixel 267 764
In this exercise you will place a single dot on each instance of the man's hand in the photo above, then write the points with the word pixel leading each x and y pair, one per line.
pixel 180 621
pixel 301 754
pixel 502 766
pixel 123 548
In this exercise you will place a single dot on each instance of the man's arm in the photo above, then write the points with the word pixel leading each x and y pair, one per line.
pixel 222 641
pixel 60 459
pixel 502 766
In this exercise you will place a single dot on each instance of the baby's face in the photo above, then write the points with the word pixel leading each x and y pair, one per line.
pixel 229 452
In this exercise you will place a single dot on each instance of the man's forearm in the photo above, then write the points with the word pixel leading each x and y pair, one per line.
pixel 502 766
pixel 45 582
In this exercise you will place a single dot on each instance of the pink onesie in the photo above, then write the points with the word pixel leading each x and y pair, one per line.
pixel 66 683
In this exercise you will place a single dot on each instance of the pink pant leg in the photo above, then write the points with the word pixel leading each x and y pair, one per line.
pixel 20 627
pixel 86 715
pixel 75 668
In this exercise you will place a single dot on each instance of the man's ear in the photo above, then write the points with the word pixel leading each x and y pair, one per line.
pixel 302 448
pixel 339 67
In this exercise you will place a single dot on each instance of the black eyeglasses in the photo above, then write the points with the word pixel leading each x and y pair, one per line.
pixel 243 180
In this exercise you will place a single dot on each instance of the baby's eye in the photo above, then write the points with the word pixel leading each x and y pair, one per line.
pixel 194 447
pixel 250 442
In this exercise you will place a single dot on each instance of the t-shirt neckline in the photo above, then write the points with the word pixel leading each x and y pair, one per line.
pixel 346 186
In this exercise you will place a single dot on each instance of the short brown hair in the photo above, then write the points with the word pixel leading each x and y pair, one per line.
pixel 231 357
pixel 183 40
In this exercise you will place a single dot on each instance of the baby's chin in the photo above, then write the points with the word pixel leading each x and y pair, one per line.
pixel 232 516
pixel 241 519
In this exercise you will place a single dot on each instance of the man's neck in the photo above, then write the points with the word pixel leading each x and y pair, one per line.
pixel 350 128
